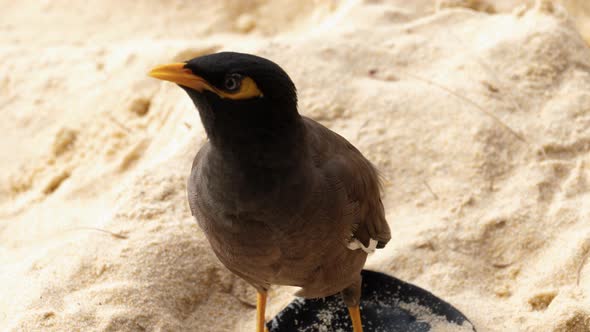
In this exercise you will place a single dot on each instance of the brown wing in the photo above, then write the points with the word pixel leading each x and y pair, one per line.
pixel 341 162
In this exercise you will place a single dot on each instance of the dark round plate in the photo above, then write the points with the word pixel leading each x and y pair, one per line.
pixel 387 304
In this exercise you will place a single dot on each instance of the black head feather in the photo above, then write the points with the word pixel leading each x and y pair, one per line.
pixel 256 127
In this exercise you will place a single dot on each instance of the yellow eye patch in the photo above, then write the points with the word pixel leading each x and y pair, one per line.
pixel 248 89
pixel 177 73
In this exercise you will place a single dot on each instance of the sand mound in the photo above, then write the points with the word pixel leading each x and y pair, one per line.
pixel 488 205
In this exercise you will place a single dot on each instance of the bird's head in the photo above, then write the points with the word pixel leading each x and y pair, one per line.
pixel 238 95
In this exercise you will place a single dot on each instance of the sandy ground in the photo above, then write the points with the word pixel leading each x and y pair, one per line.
pixel 478 115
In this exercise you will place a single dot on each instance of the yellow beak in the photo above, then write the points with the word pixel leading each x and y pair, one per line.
pixel 177 73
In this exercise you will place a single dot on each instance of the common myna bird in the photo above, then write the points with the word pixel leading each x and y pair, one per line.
pixel 282 199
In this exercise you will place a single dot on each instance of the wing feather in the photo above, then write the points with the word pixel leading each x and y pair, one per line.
pixel 345 168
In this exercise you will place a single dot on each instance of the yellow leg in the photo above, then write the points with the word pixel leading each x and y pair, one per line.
pixel 355 316
pixel 260 310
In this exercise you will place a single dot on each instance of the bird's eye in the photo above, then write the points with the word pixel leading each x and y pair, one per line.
pixel 232 82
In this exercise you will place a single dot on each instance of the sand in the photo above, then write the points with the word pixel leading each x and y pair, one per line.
pixel 477 114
